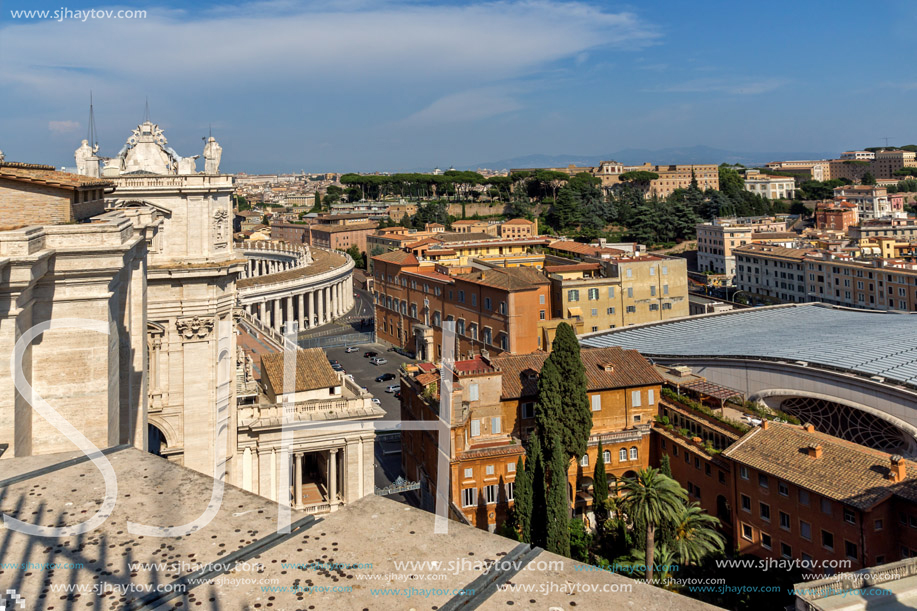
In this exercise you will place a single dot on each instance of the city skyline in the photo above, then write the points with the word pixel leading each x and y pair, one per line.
pixel 419 84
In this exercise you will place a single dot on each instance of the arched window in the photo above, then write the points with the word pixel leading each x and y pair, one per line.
pixel 584 461
pixel 633 453
pixel 606 456
pixel 622 455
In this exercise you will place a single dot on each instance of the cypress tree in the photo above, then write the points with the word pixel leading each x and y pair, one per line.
pixel 558 508
pixel 600 492
pixel 522 501
pixel 535 464
pixel 565 408
pixel 318 201
pixel 665 466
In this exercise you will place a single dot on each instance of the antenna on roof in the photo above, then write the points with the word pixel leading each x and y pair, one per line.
pixel 146 111
pixel 91 135
pixel 886 138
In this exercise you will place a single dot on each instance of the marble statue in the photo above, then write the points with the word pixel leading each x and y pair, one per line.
pixel 2 156
pixel 87 164
pixel 187 165
pixel 212 154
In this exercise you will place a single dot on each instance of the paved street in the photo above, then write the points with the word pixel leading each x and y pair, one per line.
pixel 365 373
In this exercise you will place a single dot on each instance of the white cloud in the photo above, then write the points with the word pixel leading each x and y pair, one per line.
pixel 63 127
pixel 274 42
pixel 722 85
pixel 464 106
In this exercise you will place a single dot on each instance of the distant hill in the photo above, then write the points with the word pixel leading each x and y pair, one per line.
pixel 675 155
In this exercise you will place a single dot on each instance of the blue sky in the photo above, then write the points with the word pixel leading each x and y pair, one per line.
pixel 387 85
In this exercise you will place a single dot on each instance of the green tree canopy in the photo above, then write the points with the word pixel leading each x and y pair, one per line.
pixel 638 176
pixel 695 535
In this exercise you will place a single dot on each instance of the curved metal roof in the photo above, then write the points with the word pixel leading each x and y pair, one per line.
pixel 865 342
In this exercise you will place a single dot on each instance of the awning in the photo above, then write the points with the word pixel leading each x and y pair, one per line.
pixel 713 390
pixel 575 311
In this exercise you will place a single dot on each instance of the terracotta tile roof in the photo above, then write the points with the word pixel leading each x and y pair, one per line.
pixel 468 223
pixel 469 366
pixel 576 267
pixel 47 175
pixel 447 236
pixel 628 369
pixel 429 273
pixel 507 278
pixel 518 222
pixel 777 251
pixel 427 378
pixel 846 472
pixel 343 228
pixel 399 257
pixel 579 248
pixel 312 370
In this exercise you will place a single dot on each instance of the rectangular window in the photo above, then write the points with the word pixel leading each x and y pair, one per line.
pixel 596 403
pixel 653 270
pixel 595 312
pixel 528 410
pixel 635 398
pixel 468 473
pixel 746 532
pixel 743 472
pixel 487 303
pixel 652 290
pixel 784 520
pixel 611 292
pixel 786 551
pixel 610 311
pixel 878 524
pixel 461 296
pixel 766 541
pixel 849 516
pixel 746 503
pixel 850 550
pixel 490 494
pixel 630 291
pixel 805 530
pixel 473 391
pixel 651 396
pixel 469 497
pixel 510 467
pixel 475 428
pixel 827 540
pixel 584 461
pixel 783 489
pixel 573 295
pixel 665 289
pixel 510 491
pixel 474 299
pixel 631 309
pixel 765 511
pixel 495 425
pixel 762 480
pixel 489 470
pixel 593 294
pixel 804 497
pixel 541 315
pixel 826 506
pixel 630 273
pixel 541 299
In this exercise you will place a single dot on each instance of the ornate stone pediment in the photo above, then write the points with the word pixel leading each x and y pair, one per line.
pixel 194 328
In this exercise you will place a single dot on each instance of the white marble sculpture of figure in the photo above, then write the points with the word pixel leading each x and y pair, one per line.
pixel 87 164
pixel 2 156
pixel 188 165
pixel 212 154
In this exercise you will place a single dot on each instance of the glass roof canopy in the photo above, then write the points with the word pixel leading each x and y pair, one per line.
pixel 866 342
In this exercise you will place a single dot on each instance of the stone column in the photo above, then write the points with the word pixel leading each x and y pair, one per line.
pixel 261 311
pixel 277 318
pixel 302 308
pixel 290 317
pixel 297 480
pixel 328 313
pixel 320 305
pixel 333 475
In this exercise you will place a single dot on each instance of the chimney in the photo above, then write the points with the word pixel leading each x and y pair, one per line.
pixel 814 450
pixel 808 427
pixel 765 424
pixel 898 471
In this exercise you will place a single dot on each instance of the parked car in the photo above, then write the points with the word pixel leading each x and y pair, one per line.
pixel 377 401
pixel 337 367
pixel 398 394
pixel 385 377
pixel 370 354
pixel 378 360
pixel 392 388
pixel 350 349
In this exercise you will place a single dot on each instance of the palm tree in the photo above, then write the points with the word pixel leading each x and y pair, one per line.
pixel 653 499
pixel 664 558
pixel 695 535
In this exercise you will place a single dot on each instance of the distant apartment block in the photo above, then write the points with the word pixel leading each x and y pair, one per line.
pixel 819 170
pixel 860 155
pixel 294 233
pixel 716 240
pixel 771 187
pixel 341 236
pixel 871 201
pixel 804 275
pixel 836 216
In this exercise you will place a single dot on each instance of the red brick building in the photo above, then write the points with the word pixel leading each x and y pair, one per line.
pixel 836 216
pixel 493 408
pixel 496 309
